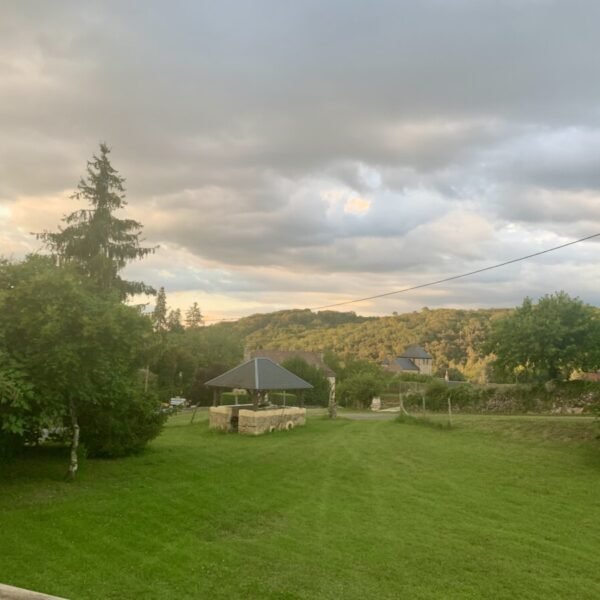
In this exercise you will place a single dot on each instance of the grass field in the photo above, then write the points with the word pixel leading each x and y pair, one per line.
pixel 496 508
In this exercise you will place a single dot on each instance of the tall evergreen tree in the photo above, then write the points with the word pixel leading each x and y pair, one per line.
pixel 193 317
pixel 159 314
pixel 174 323
pixel 98 243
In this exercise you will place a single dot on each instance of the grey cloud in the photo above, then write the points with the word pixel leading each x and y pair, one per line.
pixel 226 117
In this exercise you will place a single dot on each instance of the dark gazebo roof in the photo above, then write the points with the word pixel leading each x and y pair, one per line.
pixel 259 374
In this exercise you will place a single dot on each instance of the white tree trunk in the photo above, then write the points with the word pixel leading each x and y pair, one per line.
pixel 332 408
pixel 74 464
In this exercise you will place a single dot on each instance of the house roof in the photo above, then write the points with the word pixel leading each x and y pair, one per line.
pixel 259 374
pixel 415 351
pixel 314 359
pixel 406 364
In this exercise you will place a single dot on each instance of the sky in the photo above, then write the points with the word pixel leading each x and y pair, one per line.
pixel 290 154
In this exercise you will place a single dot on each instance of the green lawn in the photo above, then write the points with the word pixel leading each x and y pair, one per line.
pixel 495 508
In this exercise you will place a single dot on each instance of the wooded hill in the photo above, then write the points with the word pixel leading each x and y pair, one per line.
pixel 453 337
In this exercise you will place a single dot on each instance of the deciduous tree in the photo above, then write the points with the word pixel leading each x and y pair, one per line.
pixel 81 351
pixel 547 340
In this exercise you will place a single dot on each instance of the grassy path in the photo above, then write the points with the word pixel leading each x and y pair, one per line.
pixel 346 509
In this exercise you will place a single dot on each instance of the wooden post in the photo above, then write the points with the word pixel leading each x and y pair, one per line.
pixel 284 397
pixel 256 395
pixel 215 397
pixel 449 412
pixel 301 402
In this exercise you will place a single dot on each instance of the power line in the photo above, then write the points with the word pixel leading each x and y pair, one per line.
pixel 454 277
pixel 445 279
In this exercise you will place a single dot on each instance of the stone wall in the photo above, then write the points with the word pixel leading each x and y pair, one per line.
pixel 274 419
pixel 251 422
pixel 219 417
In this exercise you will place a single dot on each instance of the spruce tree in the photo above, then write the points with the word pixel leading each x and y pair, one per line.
pixel 174 324
pixel 99 244
pixel 159 314
pixel 193 317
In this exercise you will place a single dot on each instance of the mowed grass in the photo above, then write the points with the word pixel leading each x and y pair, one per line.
pixel 493 508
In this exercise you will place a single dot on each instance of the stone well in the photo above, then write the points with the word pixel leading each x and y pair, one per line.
pixel 243 419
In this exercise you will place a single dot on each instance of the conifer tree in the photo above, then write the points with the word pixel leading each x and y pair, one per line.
pixel 193 317
pixel 159 314
pixel 174 323
pixel 98 243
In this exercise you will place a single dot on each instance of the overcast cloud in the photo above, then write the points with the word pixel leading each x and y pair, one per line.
pixel 293 154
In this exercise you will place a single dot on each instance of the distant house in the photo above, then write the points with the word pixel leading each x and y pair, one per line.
pixel 415 359
pixel 314 359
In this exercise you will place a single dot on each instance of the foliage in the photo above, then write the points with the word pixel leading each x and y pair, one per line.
pixel 571 397
pixel 279 398
pixel 199 354
pixel 415 377
pixel 320 392
pixel 174 324
pixel 96 242
pixel 80 350
pixel 122 425
pixel 359 381
pixel 453 337
pixel 193 317
pixel 16 404
pixel 159 314
pixel 547 340
pixel 234 398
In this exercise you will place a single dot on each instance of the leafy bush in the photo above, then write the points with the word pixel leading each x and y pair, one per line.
pixel 570 397
pixel 234 398
pixel 16 399
pixel 358 390
pixel 320 393
pixel 120 427
pixel 277 398
pixel 416 377
pixel 360 381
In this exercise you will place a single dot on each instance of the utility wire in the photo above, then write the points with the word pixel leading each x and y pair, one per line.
pixel 445 279
pixel 454 277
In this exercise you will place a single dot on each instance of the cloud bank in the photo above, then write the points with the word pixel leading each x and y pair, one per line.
pixel 300 154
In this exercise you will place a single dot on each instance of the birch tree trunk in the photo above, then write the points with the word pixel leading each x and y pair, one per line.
pixel 74 464
pixel 332 407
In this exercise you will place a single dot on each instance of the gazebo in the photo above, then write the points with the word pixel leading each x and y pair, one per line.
pixel 257 376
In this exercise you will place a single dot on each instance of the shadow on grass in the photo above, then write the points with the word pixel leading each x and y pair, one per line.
pixel 39 463
pixel 424 422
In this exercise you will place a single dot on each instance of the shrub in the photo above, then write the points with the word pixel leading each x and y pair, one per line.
pixel 122 428
pixel 234 398
pixel 313 375
pixel 277 398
